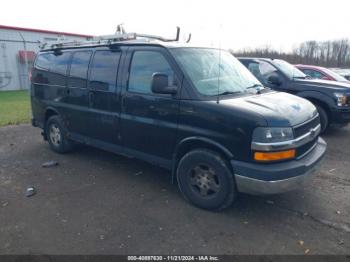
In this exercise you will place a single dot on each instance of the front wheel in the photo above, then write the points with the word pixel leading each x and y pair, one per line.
pixel 205 180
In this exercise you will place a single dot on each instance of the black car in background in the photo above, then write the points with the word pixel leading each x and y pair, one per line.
pixel 195 111
pixel 332 99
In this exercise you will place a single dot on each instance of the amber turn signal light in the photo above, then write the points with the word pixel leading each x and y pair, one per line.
pixel 273 156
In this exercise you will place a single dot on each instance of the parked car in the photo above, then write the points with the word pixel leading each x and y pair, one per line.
pixel 332 99
pixel 195 111
pixel 343 72
pixel 318 72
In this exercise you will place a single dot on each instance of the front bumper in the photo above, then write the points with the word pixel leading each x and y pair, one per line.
pixel 277 178
pixel 341 116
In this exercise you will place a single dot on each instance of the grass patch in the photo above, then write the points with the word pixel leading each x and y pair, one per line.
pixel 14 107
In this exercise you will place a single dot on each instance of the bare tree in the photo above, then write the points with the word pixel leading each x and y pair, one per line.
pixel 334 53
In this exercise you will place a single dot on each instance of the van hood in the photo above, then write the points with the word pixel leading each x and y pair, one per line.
pixel 278 108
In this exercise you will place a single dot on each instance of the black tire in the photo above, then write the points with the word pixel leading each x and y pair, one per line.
pixel 58 141
pixel 215 179
pixel 324 119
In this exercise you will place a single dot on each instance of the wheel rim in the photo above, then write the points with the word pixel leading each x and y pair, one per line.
pixel 204 181
pixel 55 135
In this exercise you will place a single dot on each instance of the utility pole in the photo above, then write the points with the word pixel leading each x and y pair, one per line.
pixel 25 62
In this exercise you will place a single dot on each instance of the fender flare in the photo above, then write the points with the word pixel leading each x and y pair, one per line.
pixel 49 108
pixel 187 141
pixel 319 96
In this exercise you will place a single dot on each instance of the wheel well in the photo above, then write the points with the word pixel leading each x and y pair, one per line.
pixel 49 113
pixel 197 144
pixel 321 104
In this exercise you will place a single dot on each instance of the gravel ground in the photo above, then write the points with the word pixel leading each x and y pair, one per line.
pixel 95 202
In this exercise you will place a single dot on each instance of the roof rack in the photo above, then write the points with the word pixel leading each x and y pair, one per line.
pixel 119 36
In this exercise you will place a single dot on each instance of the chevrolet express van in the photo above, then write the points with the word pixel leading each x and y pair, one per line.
pixel 195 111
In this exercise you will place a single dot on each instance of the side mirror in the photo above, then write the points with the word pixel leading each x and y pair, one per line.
pixel 274 80
pixel 160 84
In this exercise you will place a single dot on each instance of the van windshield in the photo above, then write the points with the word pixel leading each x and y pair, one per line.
pixel 215 72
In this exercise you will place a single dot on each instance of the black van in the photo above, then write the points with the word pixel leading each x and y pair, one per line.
pixel 195 111
pixel 332 99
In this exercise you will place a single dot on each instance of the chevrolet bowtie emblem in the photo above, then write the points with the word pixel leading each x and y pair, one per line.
pixel 312 132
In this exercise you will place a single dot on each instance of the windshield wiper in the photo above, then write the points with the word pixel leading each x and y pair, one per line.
pixel 301 77
pixel 256 86
pixel 229 93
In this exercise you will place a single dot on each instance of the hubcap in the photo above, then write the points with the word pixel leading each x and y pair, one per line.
pixel 55 135
pixel 204 180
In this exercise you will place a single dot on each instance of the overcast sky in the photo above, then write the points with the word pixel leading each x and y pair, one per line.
pixel 231 24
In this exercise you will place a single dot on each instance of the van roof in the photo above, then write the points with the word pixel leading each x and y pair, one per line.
pixel 120 38
pixel 130 43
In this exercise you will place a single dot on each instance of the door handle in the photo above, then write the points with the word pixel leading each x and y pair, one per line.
pixel 91 98
pixel 67 91
pixel 123 101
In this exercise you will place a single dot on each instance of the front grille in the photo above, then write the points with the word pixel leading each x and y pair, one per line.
pixel 305 128
pixel 305 148
pixel 302 130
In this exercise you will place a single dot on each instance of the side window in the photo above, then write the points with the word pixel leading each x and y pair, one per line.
pixel 60 63
pixel 58 69
pixel 261 70
pixel 43 61
pixel 306 72
pixel 143 65
pixel 41 74
pixel 254 68
pixel 313 73
pixel 79 69
pixel 104 69
pixel 266 69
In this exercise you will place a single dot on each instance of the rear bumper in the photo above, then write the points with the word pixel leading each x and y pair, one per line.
pixel 37 123
pixel 280 177
pixel 34 122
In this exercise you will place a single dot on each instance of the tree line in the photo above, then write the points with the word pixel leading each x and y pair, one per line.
pixel 335 53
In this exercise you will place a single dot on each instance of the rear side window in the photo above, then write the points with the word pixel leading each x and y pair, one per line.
pixel 43 61
pixel 144 64
pixel 79 68
pixel 56 63
pixel 313 73
pixel 104 69
pixel 60 63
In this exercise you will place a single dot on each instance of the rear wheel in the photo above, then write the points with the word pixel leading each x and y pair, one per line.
pixel 324 119
pixel 57 136
pixel 205 180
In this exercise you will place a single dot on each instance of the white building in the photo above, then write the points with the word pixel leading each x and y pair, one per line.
pixel 18 47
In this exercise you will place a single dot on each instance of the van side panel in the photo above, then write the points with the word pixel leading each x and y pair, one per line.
pixel 48 87
pixel 148 120
pixel 227 128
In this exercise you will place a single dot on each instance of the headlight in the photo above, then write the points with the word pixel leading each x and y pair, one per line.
pixel 342 99
pixel 272 134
